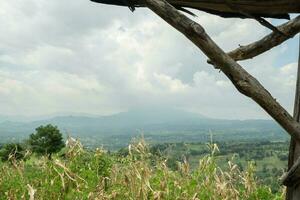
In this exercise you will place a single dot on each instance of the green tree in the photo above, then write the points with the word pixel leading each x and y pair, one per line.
pixel 14 150
pixel 47 140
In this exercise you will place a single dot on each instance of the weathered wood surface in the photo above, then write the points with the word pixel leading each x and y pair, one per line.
pixel 289 30
pixel 292 178
pixel 226 8
pixel 252 6
pixel 243 81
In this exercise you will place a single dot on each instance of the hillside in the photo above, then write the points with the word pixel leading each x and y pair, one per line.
pixel 159 125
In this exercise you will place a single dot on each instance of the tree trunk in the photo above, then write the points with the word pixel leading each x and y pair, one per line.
pixel 293 192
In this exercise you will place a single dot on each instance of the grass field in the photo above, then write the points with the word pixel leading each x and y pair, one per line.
pixel 76 173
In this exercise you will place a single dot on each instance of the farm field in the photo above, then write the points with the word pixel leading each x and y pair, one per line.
pixel 140 172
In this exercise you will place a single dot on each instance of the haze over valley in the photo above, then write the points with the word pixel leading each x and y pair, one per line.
pixel 156 124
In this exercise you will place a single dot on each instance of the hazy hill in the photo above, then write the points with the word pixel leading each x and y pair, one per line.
pixel 148 121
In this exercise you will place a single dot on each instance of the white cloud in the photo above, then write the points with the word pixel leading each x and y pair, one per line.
pixel 78 56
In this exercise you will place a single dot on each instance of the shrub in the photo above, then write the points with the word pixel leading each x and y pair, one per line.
pixel 47 140
pixel 12 150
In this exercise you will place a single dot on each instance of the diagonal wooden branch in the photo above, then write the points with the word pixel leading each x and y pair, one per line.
pixel 243 81
pixel 289 30
pixel 259 19
pixel 291 178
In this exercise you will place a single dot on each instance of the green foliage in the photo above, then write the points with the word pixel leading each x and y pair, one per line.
pixel 270 157
pixel 75 176
pixel 46 140
pixel 12 150
pixel 78 173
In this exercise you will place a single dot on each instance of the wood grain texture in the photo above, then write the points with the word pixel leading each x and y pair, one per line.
pixel 226 8
pixel 293 187
pixel 252 6
pixel 292 177
pixel 290 29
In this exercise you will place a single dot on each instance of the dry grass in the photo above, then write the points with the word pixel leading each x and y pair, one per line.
pixel 80 174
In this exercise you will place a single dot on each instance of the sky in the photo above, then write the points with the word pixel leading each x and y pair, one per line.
pixel 64 56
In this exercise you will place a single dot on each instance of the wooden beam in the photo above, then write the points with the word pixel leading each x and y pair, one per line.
pixel 292 177
pixel 226 8
pixel 242 80
pixel 293 188
pixel 289 30
pixel 260 7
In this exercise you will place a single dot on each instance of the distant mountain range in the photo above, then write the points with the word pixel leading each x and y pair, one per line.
pixel 148 121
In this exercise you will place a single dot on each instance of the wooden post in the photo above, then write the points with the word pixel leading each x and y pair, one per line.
pixel 293 192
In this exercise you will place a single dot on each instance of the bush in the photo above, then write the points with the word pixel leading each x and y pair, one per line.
pixel 12 150
pixel 47 140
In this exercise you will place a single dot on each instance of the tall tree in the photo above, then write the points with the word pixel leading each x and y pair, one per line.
pixel 46 140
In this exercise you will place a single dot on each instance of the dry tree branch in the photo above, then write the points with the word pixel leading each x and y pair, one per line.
pixel 243 81
pixel 289 30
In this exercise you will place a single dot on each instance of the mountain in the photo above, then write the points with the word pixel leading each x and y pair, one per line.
pixel 154 121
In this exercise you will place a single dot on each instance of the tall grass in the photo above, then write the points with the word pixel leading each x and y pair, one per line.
pixel 77 173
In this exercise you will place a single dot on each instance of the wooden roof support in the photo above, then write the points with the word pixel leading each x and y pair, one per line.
pixel 290 29
pixel 226 8
pixel 255 7
pixel 243 81
pixel 292 177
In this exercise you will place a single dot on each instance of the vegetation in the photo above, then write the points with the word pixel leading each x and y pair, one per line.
pixel 15 150
pixel 46 140
pixel 78 173
pixel 269 158
pixel 179 170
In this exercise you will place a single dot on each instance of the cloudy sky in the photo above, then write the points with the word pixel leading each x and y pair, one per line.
pixel 64 56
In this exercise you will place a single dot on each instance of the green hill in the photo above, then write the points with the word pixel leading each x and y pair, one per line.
pixel 158 125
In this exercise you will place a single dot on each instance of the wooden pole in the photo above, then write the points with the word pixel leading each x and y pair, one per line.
pixel 293 192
